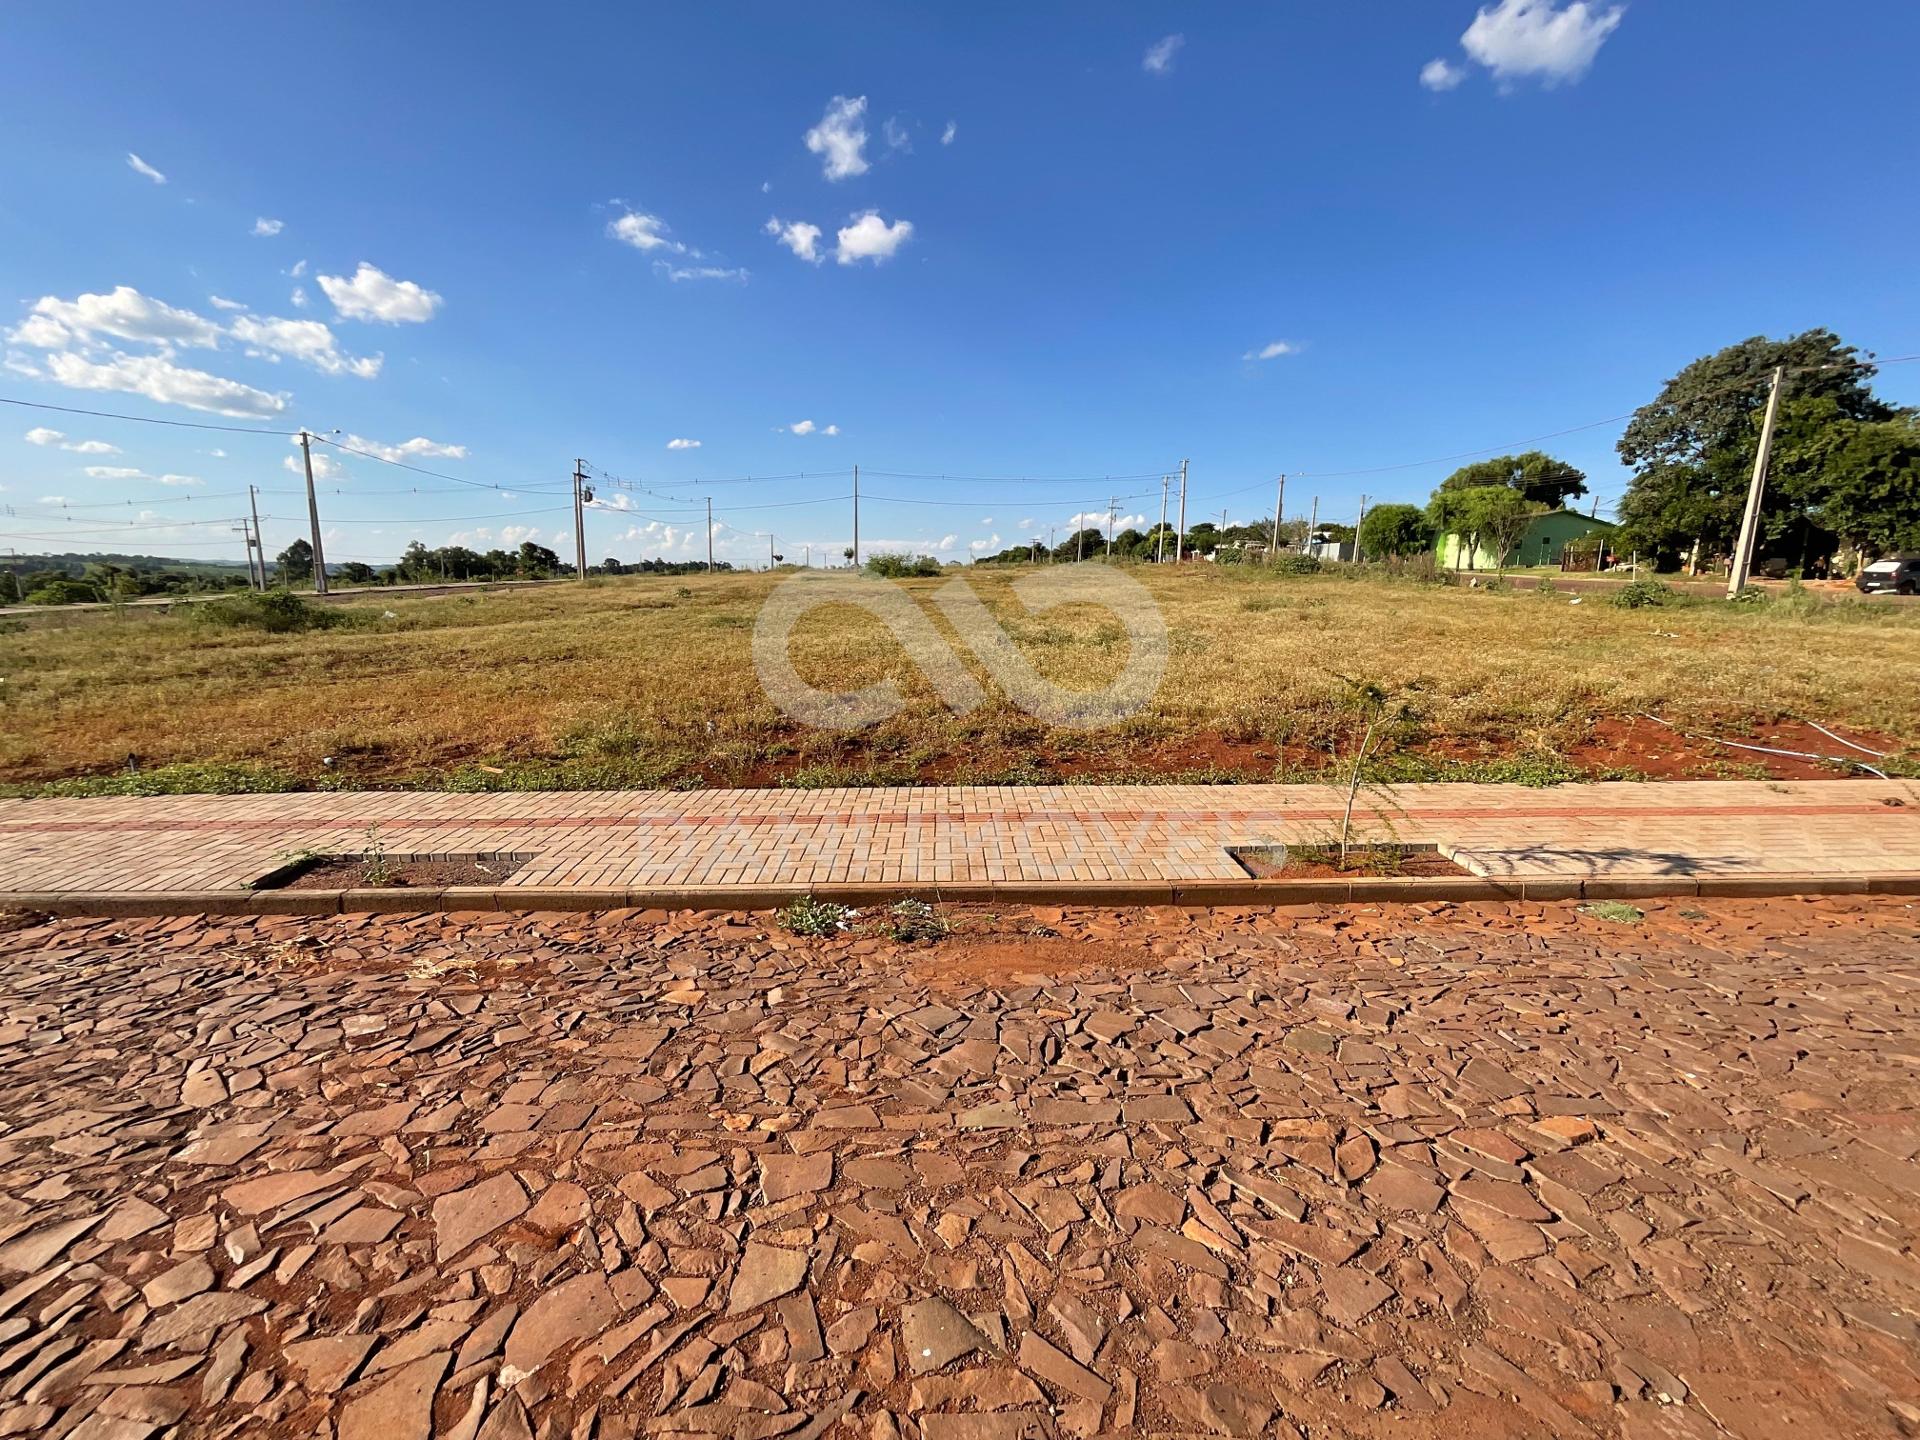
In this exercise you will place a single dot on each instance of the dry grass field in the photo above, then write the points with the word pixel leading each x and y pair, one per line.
pixel 647 681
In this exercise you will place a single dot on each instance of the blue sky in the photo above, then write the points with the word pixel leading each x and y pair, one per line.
pixel 1062 248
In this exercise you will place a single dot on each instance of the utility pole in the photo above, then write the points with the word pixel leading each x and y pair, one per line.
pixel 856 516
pixel 1180 540
pixel 313 518
pixel 579 523
pixel 1079 538
pixel 1160 535
pixel 709 534
pixel 1050 534
pixel 1360 520
pixel 1750 521
pixel 259 551
pixel 1112 502
pixel 809 560
pixel 1279 498
pixel 1313 527
pixel 769 554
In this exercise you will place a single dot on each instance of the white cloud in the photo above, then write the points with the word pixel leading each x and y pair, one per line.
pixel 124 313
pixel 840 137
pixel 1028 523
pixel 325 467
pixel 677 273
pixel 896 134
pixel 1518 38
pixel 679 444
pixel 55 500
pixel 1439 75
pixel 986 519
pixel 299 297
pixel 1159 57
pixel 299 269
pixel 220 302
pixel 141 167
pixel 871 238
pixel 264 226
pixel 372 294
pixel 981 547
pixel 113 472
pixel 269 337
pixel 1272 351
pixel 947 135
pixel 798 236
pixel 41 435
pixel 180 480
pixel 158 378
pixel 807 427
pixel 418 448
pixel 92 447
pixel 643 232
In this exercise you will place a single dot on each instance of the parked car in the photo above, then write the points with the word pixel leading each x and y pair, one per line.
pixel 1902 576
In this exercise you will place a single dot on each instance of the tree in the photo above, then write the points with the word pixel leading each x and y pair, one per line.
pixel 1856 482
pixel 1395 530
pixel 1488 517
pixel 295 563
pixel 1092 541
pixel 357 572
pixel 1693 446
pixel 535 561
pixel 1536 475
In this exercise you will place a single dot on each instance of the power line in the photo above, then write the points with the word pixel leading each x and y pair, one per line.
pixel 145 419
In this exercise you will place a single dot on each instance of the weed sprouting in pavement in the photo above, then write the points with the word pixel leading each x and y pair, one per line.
pixel 1615 911
pixel 817 919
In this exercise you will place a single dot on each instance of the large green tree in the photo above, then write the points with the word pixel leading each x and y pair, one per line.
pixel 295 563
pixel 1692 448
pixel 1536 475
pixel 1395 530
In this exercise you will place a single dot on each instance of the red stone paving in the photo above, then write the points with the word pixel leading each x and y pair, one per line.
pixel 956 835
pixel 1491 1170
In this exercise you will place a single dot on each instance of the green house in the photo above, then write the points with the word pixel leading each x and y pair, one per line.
pixel 1546 536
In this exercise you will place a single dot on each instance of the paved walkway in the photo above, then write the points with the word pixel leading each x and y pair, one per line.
pixel 644 844
pixel 1499 1171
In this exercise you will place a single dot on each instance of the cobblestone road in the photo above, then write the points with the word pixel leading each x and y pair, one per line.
pixel 1449 1170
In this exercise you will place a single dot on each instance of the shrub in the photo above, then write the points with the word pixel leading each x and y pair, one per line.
pixel 1298 565
pixel 63 592
pixel 278 612
pixel 1639 594
pixel 902 567
pixel 1546 589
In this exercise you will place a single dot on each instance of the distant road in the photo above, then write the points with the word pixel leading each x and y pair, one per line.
pixel 337 595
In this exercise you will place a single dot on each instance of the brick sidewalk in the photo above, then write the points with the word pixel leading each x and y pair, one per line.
pixel 649 843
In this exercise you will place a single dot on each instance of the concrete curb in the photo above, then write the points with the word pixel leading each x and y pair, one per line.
pixel 1360 890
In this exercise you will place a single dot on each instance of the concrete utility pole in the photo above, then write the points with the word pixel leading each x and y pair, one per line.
pixel 259 551
pixel 1113 502
pixel 1279 498
pixel 1313 525
pixel 769 554
pixel 709 534
pixel 856 516
pixel 1079 538
pixel 579 523
pixel 1160 535
pixel 313 518
pixel 1750 521
pixel 1050 534
pixel 1180 540
pixel 1360 520
pixel 808 565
